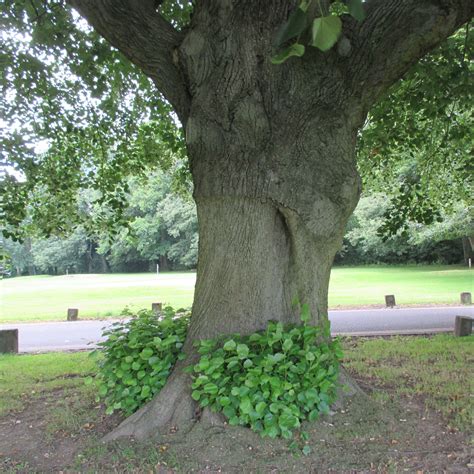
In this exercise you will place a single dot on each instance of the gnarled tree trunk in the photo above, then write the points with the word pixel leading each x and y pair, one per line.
pixel 272 149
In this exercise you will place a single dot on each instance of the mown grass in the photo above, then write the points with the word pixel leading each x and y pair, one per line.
pixel 23 377
pixel 46 298
pixel 438 370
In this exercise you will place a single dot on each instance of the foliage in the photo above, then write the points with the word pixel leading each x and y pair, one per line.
pixel 416 146
pixel 434 243
pixel 137 358
pixel 60 254
pixel 161 224
pixel 270 380
pixel 318 21
pixel 75 114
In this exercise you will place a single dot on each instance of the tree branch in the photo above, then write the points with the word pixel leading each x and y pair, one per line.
pixel 136 29
pixel 395 35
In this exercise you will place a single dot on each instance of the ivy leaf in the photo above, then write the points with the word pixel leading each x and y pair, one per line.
pixel 230 345
pixel 356 9
pixel 296 49
pixel 242 350
pixel 287 345
pixel 306 450
pixel 325 32
pixel 297 22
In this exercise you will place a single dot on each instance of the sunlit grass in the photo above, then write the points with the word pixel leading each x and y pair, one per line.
pixel 28 376
pixel 43 298
pixel 439 370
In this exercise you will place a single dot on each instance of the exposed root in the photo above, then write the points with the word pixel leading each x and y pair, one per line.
pixel 172 407
pixel 173 410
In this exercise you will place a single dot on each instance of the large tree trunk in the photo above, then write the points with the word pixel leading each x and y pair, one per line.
pixel 259 249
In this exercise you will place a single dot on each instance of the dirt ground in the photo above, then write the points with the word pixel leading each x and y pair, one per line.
pixel 61 433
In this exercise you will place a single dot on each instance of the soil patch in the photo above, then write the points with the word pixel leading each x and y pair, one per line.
pixel 363 435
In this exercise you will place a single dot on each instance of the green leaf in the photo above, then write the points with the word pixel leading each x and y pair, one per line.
pixel 287 345
pixel 260 407
pixel 230 345
pixel 146 390
pixel 248 363
pixel 229 411
pixel 297 22
pixel 211 388
pixel 305 313
pixel 245 405
pixel 88 380
pixel 243 350
pixel 312 395
pixel 325 32
pixel 196 395
pixel 356 9
pixel 306 450
pixel 313 415
pixel 234 421
pixel 287 421
pixel 295 49
pixel 146 353
pixel 271 431
pixel 224 401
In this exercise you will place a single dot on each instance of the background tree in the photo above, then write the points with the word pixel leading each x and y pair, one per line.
pixel 416 146
pixel 271 147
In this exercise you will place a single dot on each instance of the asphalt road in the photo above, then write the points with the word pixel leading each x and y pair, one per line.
pixel 63 336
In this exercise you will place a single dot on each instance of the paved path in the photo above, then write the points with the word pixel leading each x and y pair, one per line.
pixel 62 336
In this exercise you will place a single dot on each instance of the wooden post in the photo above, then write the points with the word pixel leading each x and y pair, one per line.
pixel 156 307
pixel 72 314
pixel 462 326
pixel 9 341
pixel 390 301
pixel 466 298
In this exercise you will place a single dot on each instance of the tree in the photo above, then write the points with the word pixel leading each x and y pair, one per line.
pixel 415 146
pixel 271 147
pixel 162 227
pixel 439 242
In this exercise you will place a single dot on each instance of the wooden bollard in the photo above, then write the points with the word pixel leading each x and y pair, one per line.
pixel 72 314
pixel 9 341
pixel 462 326
pixel 157 307
pixel 390 301
pixel 466 298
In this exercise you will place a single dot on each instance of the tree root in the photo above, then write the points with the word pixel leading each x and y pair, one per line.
pixel 172 409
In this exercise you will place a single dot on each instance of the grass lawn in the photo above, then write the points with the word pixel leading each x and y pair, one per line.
pixel 29 376
pixel 43 298
pixel 439 370
pixel 416 418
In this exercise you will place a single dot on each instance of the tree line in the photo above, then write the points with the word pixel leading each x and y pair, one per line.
pixel 162 230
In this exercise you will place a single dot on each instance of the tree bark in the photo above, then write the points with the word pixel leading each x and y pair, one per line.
pixel 272 152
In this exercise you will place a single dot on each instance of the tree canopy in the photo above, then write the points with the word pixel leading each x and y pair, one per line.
pixel 77 114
